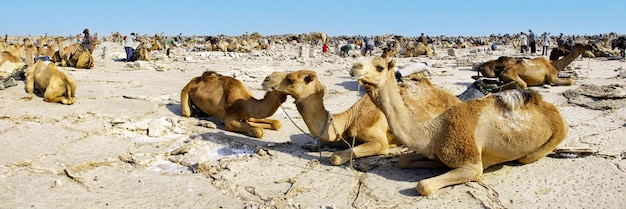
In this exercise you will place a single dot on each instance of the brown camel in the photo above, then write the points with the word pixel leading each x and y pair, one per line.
pixel 414 50
pixel 228 100
pixel 468 137
pixel 362 122
pixel 494 68
pixel 51 82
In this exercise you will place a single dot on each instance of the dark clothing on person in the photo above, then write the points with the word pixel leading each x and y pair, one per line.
pixel 531 42
pixel 87 42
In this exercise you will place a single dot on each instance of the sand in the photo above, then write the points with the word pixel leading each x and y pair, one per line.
pixel 124 143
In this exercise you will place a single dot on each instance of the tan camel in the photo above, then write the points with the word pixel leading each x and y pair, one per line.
pixel 532 72
pixel 362 122
pixel 414 50
pixel 321 36
pixel 78 57
pixel 468 137
pixel 9 65
pixel 52 83
pixel 142 52
pixel 45 49
pixel 228 100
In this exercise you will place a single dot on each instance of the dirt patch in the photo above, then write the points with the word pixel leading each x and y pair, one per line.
pixel 596 97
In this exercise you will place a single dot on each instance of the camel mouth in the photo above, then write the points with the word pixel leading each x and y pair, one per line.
pixel 358 77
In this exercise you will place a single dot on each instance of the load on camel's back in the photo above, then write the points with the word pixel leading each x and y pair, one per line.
pixel 619 43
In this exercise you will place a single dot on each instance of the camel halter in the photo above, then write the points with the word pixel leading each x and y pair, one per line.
pixel 327 123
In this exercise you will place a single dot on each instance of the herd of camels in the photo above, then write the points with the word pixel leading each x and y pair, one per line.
pixel 464 136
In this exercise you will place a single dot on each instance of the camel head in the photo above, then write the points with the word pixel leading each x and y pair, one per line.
pixel 300 84
pixel 388 52
pixel 372 72
pixel 273 80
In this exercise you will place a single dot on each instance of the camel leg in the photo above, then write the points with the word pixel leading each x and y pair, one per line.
pixel 54 92
pixel 508 77
pixel 554 80
pixel 30 82
pixel 265 123
pixel 458 175
pixel 416 160
pixel 236 125
pixel 363 150
pixel 544 149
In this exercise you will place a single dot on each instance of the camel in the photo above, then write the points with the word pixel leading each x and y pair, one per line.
pixel 414 50
pixel 9 65
pixel 78 57
pixel 576 51
pixel 532 72
pixel 228 100
pixel 515 125
pixel 318 36
pixel 362 122
pixel 142 52
pixel 51 82
pixel 46 49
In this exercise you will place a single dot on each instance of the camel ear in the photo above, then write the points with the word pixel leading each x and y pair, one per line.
pixel 391 64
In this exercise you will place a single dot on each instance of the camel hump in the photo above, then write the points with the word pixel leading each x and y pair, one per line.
pixel 514 99
pixel 208 74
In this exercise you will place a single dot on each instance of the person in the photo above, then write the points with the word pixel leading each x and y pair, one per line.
pixel 523 42
pixel 561 41
pixel 180 39
pixel 129 43
pixel 424 40
pixel 545 43
pixel 325 48
pixel 369 46
pixel 532 41
pixel 87 41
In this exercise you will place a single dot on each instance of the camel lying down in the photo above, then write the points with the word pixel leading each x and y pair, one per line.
pixel 363 123
pixel 226 99
pixel 514 125
pixel 53 84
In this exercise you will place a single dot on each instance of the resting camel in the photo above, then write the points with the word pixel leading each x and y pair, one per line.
pixel 9 65
pixel 532 72
pixel 52 83
pixel 414 50
pixel 362 122
pixel 468 137
pixel 226 99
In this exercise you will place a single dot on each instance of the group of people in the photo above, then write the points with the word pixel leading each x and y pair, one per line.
pixel 530 40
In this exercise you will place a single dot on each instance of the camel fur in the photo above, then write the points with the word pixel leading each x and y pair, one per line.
pixel 228 100
pixel 362 124
pixel 51 82
pixel 318 36
pixel 515 125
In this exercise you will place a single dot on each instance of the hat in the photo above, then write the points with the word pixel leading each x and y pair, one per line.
pixel 86 30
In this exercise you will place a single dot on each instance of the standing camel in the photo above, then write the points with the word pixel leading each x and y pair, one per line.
pixel 468 137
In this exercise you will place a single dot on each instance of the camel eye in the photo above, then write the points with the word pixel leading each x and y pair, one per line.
pixel 289 80
pixel 267 78
pixel 380 68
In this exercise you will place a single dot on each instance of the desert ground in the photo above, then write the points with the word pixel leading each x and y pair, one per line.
pixel 125 144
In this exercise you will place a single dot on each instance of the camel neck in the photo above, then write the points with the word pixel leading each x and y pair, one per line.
pixel 561 64
pixel 315 116
pixel 402 122
pixel 267 106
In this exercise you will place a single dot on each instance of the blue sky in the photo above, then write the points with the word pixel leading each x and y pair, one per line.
pixel 277 17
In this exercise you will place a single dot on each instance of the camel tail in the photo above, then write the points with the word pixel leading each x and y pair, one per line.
pixel 514 99
pixel 185 103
